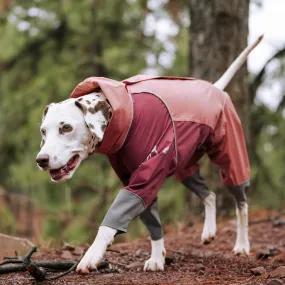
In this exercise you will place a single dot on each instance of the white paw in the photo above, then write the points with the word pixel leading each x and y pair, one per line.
pixel 208 235
pixel 96 251
pixel 209 230
pixel 154 264
pixel 90 261
pixel 241 248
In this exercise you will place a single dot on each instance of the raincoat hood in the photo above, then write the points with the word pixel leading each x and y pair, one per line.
pixel 122 105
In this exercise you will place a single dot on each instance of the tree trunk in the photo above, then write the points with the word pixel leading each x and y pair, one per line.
pixel 218 33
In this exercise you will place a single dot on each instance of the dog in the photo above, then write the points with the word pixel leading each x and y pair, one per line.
pixel 150 128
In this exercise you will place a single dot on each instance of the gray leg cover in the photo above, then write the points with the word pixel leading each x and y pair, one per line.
pixel 126 207
pixel 151 220
pixel 239 193
pixel 197 184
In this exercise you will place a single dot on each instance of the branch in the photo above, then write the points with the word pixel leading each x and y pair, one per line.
pixel 36 268
pixel 254 85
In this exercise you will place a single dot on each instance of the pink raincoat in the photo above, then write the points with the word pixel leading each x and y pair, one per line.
pixel 163 125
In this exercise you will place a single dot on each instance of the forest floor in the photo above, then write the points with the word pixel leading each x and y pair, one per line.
pixel 188 261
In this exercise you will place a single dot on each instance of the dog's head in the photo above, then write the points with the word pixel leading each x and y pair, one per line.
pixel 71 130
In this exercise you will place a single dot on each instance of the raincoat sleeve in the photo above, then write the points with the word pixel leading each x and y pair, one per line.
pixel 142 189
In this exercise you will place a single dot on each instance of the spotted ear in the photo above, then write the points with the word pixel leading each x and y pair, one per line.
pixel 96 113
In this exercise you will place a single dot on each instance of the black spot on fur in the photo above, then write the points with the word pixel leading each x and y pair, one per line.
pixel 91 126
pixel 45 112
pixel 104 108
pixel 88 102
pixel 91 110
pixel 42 143
pixel 103 127
pixel 81 107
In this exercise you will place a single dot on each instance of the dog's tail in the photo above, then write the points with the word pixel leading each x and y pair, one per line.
pixel 235 66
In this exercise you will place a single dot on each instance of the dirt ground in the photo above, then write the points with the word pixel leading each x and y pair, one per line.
pixel 188 262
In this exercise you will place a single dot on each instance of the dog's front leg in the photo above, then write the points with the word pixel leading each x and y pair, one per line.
pixel 151 220
pixel 124 209
pixel 95 253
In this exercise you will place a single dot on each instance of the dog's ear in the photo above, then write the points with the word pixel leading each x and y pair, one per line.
pixel 45 113
pixel 96 114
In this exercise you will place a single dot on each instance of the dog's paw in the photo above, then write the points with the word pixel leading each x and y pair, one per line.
pixel 89 262
pixel 210 227
pixel 208 234
pixel 154 264
pixel 207 237
pixel 241 248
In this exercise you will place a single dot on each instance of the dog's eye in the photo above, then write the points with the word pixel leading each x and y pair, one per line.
pixel 43 132
pixel 66 128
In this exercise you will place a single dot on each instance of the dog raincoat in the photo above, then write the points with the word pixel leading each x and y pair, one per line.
pixel 162 126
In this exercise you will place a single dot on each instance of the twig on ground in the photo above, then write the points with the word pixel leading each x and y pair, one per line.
pixel 36 269
pixel 11 259
pixel 27 258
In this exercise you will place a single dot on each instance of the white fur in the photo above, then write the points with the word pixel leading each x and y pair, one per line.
pixel 209 230
pixel 235 66
pixel 95 253
pixel 60 148
pixel 242 245
pixel 157 258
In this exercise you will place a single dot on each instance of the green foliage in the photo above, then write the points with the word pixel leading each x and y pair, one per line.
pixel 8 222
pixel 47 48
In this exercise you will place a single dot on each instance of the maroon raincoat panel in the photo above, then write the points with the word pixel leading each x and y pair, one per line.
pixel 175 121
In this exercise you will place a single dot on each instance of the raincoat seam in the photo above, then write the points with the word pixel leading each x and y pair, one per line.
pixel 172 120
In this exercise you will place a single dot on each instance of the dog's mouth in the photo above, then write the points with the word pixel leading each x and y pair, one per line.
pixel 64 171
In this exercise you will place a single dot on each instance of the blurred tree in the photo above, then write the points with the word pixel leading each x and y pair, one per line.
pixel 218 32
pixel 48 46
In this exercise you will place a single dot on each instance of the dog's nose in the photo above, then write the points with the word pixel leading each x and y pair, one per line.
pixel 42 160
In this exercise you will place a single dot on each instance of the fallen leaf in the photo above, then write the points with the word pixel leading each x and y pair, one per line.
pixel 278 272
pixel 275 282
pixel 258 271
pixel 134 265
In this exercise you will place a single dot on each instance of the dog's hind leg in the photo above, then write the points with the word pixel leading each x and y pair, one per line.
pixel 151 220
pixel 242 245
pixel 197 184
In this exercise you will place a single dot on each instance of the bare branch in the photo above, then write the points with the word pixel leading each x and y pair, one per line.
pixel 257 81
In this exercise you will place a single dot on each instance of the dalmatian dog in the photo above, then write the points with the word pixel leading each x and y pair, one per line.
pixel 75 128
